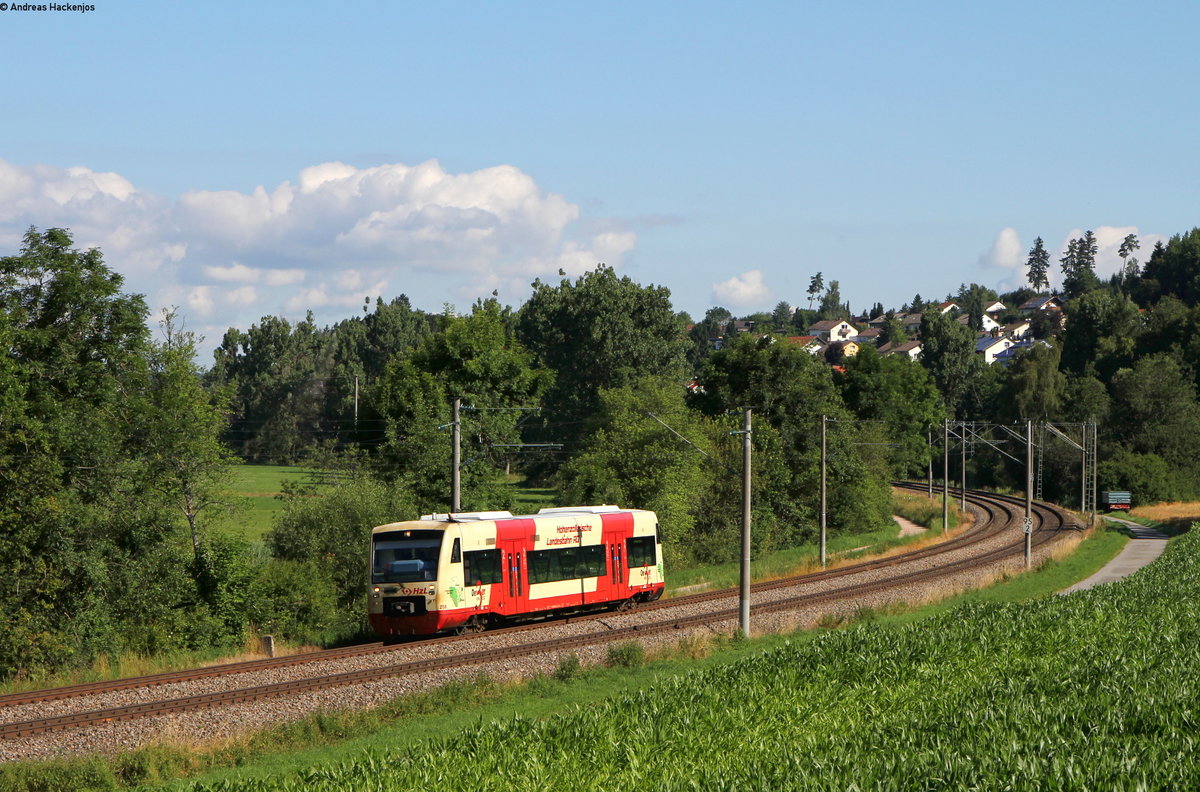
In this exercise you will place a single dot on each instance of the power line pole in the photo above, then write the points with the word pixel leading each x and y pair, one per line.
pixel 962 433
pixel 1083 475
pixel 824 469
pixel 1028 521
pixel 356 406
pixel 945 475
pixel 929 445
pixel 456 460
pixel 744 588
pixel 1095 466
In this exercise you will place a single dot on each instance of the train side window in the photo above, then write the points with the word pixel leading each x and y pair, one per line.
pixel 657 533
pixel 539 566
pixel 640 551
pixel 456 552
pixel 592 562
pixel 481 566
pixel 570 563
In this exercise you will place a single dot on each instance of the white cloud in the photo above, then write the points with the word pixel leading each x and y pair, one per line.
pixel 244 295
pixel 199 299
pixel 283 277
pixel 1006 251
pixel 335 236
pixel 747 290
pixel 1008 255
pixel 239 273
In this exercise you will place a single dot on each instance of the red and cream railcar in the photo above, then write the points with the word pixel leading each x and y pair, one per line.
pixel 463 572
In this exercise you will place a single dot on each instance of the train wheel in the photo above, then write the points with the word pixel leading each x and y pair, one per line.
pixel 627 605
pixel 474 624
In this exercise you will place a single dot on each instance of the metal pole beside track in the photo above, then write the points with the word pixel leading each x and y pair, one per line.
pixel 945 475
pixel 1028 523
pixel 824 471
pixel 962 434
pixel 1095 467
pixel 929 448
pixel 456 460
pixel 744 588
pixel 1083 475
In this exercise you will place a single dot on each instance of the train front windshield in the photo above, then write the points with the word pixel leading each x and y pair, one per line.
pixel 404 556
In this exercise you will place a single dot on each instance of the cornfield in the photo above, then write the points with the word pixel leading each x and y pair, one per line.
pixel 1093 691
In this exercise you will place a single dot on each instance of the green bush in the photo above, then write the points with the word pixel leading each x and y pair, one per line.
pixel 333 531
pixel 628 654
pixel 1147 477
pixel 296 601
pixel 569 667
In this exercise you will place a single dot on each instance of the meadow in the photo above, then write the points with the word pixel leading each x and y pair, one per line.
pixel 252 495
pixel 1170 518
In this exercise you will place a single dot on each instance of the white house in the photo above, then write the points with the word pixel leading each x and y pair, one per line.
pixel 988 323
pixel 1018 330
pixel 1040 304
pixel 910 349
pixel 991 347
pixel 833 330
pixel 810 344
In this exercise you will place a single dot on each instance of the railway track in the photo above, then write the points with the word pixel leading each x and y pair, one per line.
pixel 983 528
pixel 996 514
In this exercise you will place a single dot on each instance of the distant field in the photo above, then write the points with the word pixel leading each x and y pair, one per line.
pixel 530 499
pixel 253 492
pixel 1174 518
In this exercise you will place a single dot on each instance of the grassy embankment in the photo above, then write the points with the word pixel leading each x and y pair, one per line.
pixel 841 548
pixel 300 755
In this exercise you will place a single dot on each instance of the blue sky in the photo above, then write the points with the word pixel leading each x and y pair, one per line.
pixel 240 160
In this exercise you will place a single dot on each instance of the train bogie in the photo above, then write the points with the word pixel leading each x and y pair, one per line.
pixel 463 572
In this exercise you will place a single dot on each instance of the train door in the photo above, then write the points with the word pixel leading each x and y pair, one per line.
pixel 616 529
pixel 514 538
pixel 515 588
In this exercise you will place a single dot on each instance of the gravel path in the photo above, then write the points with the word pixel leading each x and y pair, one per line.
pixel 228 720
pixel 908 527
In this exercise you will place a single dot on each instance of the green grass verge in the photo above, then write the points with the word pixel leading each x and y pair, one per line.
pixel 1050 576
pixel 293 750
pixel 840 547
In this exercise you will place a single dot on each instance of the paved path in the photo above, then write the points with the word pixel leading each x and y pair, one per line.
pixel 1146 545
pixel 908 527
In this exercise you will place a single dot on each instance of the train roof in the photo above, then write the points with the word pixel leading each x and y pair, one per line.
pixel 444 519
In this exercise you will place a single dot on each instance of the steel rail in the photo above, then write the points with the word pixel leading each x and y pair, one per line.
pixel 1047 531
pixel 977 532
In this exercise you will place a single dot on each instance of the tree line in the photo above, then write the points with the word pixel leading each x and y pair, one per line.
pixel 116 443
